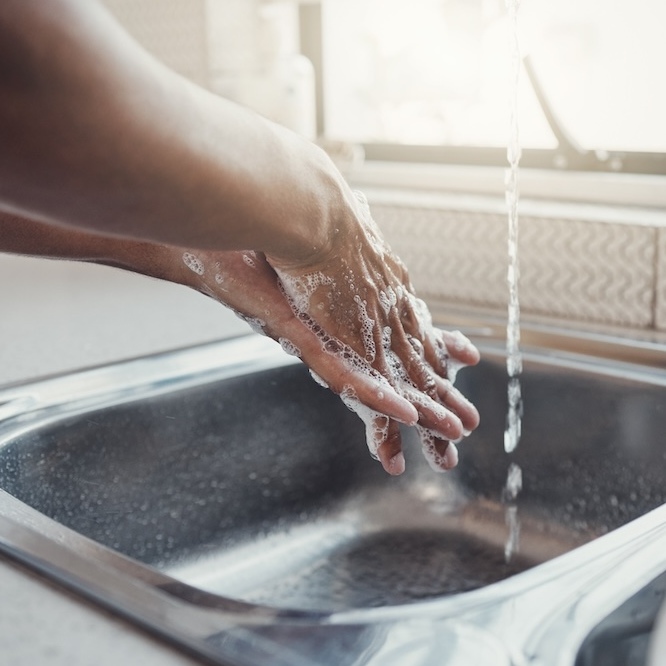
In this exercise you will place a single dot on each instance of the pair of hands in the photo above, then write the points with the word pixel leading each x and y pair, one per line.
pixel 143 164
pixel 352 316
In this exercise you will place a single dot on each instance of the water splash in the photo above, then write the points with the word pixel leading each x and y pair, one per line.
pixel 514 361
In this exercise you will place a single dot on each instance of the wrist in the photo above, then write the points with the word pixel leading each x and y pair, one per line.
pixel 319 214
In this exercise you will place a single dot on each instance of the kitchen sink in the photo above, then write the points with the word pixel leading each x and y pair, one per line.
pixel 221 498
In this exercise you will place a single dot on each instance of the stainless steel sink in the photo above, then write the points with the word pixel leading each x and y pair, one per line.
pixel 221 498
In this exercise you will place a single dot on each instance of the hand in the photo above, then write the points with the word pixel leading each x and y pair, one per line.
pixel 359 303
pixel 354 320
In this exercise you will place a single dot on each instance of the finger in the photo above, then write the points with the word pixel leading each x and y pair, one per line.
pixel 389 451
pixel 455 401
pixel 435 417
pixel 409 352
pixel 442 391
pixel 382 435
pixel 448 452
pixel 441 455
pixel 380 396
pixel 415 380
pixel 460 347
pixel 368 387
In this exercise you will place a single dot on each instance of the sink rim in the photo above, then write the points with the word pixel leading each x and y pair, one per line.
pixel 144 594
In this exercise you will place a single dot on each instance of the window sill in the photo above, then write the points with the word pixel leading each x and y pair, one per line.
pixel 611 189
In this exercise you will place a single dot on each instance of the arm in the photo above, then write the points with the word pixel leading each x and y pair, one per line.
pixel 125 163
pixel 97 134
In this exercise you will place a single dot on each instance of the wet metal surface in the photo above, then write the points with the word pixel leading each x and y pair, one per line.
pixel 257 485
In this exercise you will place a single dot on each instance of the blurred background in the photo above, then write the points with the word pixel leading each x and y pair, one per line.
pixel 412 101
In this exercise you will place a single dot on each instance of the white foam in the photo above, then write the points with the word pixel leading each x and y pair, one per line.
pixel 367 329
pixel 423 316
pixel 289 347
pixel 387 299
pixel 348 356
pixel 256 324
pixel 318 379
pixel 376 424
pixel 299 290
pixel 387 335
pixel 193 263
pixel 452 367
pixel 417 346
pixel 249 259
pixel 438 462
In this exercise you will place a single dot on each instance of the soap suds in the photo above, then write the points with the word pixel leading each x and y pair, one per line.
pixel 437 461
pixel 249 259
pixel 318 379
pixel 367 328
pixel 376 424
pixel 193 263
pixel 289 347
pixel 299 292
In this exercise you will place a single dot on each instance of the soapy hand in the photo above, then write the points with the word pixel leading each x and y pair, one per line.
pixel 359 303
pixel 355 321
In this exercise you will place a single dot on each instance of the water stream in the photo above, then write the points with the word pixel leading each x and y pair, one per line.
pixel 514 361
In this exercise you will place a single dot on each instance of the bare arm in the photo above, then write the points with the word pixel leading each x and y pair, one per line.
pixel 97 134
pixel 115 159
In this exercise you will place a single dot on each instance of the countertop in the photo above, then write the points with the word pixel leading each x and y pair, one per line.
pixel 62 316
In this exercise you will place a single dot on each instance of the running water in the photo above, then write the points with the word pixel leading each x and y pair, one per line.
pixel 514 362
pixel 514 484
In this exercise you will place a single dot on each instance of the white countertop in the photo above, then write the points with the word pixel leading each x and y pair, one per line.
pixel 57 317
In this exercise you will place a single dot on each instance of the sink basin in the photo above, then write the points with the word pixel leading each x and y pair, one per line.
pixel 222 482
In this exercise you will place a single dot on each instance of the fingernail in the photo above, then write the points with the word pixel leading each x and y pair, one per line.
pixel 450 457
pixel 396 464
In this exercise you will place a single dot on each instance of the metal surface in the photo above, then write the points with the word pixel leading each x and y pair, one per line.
pixel 220 498
pixel 657 647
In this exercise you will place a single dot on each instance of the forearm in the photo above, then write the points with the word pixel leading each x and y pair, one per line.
pixel 97 135
pixel 19 235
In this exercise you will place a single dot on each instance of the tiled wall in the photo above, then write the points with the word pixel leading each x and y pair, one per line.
pixel 578 269
pixel 661 280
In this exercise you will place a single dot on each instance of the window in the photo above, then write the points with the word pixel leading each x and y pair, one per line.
pixel 429 80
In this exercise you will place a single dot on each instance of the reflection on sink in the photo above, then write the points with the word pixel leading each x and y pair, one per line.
pixel 228 469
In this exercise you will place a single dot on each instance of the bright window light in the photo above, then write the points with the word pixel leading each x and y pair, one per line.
pixel 436 72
